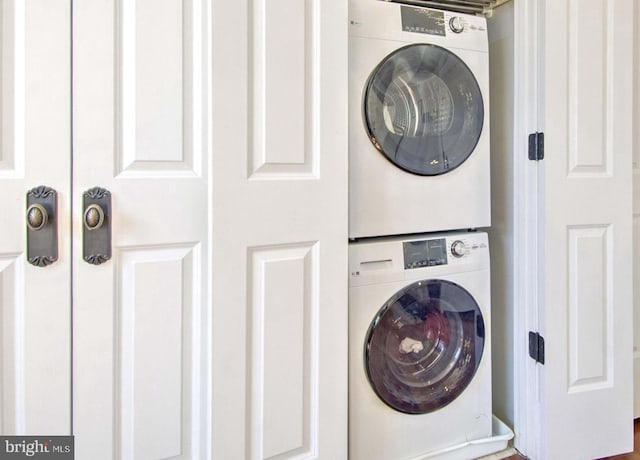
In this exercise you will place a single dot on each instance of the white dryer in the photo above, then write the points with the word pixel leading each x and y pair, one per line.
pixel 418 120
pixel 419 345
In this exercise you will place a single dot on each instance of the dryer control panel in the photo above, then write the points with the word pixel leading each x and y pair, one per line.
pixel 389 20
pixel 422 20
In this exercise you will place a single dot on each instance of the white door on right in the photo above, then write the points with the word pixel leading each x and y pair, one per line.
pixel 586 229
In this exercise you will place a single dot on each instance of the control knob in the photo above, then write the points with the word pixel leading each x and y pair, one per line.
pixel 458 248
pixel 456 25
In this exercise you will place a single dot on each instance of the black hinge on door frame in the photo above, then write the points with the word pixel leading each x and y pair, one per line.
pixel 536 347
pixel 536 146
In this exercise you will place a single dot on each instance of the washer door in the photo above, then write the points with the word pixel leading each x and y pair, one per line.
pixel 424 346
pixel 423 109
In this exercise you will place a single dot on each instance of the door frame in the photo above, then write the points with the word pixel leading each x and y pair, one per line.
pixel 636 215
pixel 526 246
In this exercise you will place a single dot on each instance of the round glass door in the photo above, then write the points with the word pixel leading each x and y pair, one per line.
pixel 423 109
pixel 424 346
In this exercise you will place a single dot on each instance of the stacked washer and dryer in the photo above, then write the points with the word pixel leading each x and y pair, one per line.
pixel 419 296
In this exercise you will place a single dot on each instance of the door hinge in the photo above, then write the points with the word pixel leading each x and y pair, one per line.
pixel 536 347
pixel 536 146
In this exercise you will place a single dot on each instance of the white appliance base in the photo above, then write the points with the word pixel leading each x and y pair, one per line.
pixel 501 434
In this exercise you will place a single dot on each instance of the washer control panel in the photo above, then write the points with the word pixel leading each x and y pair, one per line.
pixel 424 253
pixel 387 259
pixel 437 251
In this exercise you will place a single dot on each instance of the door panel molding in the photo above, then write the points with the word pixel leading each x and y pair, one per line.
pixel 12 370
pixel 12 97
pixel 282 334
pixel 159 88
pixel 158 315
pixel 590 49
pixel 284 149
pixel 589 268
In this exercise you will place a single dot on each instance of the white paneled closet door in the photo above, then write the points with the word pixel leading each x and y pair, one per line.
pixel 218 326
pixel 279 229
pixel 142 319
pixel 586 229
pixel 35 306
pixel 225 122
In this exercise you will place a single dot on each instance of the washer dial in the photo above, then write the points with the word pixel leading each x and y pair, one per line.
pixel 458 248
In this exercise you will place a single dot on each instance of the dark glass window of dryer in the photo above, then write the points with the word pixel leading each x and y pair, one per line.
pixel 423 109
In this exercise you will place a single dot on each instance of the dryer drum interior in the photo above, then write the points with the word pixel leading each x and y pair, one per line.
pixel 423 109
pixel 424 346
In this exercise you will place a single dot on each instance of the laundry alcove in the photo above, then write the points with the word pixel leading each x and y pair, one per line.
pixel 270 162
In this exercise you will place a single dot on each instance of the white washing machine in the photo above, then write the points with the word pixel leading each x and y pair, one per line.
pixel 418 120
pixel 419 345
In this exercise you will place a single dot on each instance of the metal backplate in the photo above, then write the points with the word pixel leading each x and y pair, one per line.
pixel 96 228
pixel 42 226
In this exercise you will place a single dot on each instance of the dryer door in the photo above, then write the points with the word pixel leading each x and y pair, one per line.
pixel 423 109
pixel 424 346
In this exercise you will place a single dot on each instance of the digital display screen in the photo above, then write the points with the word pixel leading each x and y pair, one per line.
pixel 425 253
pixel 422 21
